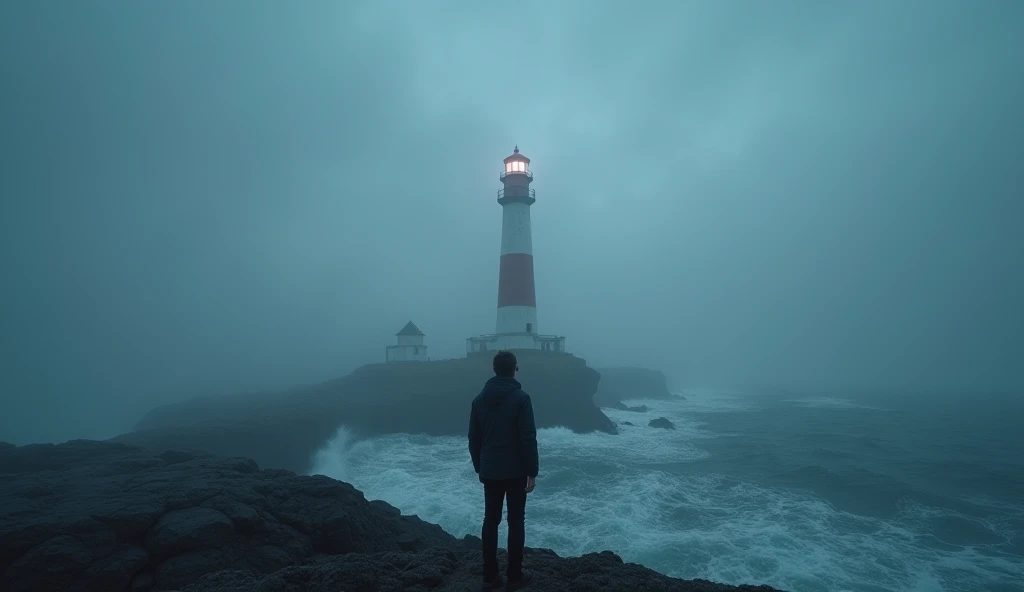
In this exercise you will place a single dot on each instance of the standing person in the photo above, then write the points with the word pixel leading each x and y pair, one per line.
pixel 503 446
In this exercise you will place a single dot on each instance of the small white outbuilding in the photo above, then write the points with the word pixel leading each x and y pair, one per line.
pixel 410 346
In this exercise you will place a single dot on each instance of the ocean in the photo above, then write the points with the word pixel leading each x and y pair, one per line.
pixel 807 494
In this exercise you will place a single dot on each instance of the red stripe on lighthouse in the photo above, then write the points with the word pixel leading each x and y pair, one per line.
pixel 515 281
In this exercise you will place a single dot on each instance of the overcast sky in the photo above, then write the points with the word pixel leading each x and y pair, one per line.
pixel 198 197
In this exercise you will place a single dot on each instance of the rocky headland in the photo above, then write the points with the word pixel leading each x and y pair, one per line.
pixel 622 384
pixel 89 516
pixel 284 430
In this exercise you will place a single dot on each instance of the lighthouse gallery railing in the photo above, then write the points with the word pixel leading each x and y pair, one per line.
pixel 532 193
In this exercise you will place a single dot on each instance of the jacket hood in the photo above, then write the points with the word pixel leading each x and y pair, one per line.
pixel 497 389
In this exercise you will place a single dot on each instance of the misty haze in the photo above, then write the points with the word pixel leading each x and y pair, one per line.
pixel 762 264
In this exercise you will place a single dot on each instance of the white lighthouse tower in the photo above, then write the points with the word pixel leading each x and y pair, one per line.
pixel 516 326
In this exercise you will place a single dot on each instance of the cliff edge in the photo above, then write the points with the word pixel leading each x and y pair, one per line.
pixel 284 430
pixel 89 516
pixel 621 384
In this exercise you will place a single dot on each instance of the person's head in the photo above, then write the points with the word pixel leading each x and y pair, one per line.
pixel 505 364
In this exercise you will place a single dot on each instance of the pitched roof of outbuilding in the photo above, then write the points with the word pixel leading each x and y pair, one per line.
pixel 410 329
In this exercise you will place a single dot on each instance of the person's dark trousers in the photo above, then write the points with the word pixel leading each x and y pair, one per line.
pixel 495 493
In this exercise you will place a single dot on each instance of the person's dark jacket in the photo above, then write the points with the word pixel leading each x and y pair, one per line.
pixel 502 433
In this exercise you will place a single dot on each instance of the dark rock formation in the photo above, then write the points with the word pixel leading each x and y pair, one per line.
pixel 661 422
pixel 623 407
pixel 98 516
pixel 448 570
pixel 621 384
pixel 284 430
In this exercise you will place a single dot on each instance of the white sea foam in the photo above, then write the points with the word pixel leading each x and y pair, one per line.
pixel 635 494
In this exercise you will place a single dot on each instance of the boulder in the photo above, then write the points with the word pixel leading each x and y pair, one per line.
pixel 663 423
pixel 179 531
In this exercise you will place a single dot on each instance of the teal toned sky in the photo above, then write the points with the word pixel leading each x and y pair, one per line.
pixel 203 197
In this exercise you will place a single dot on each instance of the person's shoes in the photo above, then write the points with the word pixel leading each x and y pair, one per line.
pixel 494 584
pixel 521 583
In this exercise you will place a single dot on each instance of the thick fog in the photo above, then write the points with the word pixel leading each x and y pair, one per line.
pixel 216 197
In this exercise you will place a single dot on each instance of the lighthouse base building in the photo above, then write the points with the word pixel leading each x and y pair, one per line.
pixel 516 326
pixel 502 341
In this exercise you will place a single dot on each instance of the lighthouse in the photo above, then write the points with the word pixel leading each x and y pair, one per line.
pixel 516 326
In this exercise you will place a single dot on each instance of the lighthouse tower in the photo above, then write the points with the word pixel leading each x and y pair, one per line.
pixel 517 298
pixel 516 326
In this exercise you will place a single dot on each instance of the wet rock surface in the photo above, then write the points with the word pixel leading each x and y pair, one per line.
pixel 452 570
pixel 662 423
pixel 101 516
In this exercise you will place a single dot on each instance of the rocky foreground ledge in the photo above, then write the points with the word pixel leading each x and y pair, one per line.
pixel 102 516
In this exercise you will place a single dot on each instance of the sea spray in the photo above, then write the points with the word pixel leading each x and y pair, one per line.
pixel 331 460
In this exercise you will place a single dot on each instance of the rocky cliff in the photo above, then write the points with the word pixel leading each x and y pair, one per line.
pixel 283 430
pixel 619 384
pixel 98 516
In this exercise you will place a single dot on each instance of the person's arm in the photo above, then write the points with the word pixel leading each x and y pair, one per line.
pixel 528 436
pixel 475 439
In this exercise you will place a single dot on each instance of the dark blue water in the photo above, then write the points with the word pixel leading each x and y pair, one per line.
pixel 810 494
pixel 950 470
